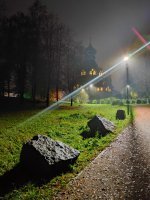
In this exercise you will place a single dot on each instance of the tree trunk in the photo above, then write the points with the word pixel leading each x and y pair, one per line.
pixel 22 82
pixel 8 87
pixel 71 101
pixel 2 88
pixel 57 92
pixel 34 85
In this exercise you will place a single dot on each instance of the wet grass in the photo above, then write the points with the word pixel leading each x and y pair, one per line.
pixel 64 124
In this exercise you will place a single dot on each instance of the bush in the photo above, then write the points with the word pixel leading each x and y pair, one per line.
pixel 124 101
pixel 105 101
pixel 127 101
pixel 94 101
pixel 142 101
pixel 82 97
pixel 138 101
pixel 133 102
pixel 117 102
pixel 102 101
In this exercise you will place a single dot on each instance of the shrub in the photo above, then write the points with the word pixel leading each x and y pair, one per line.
pixel 138 101
pixel 144 101
pixel 82 97
pixel 124 101
pixel 94 101
pixel 102 101
pixel 107 101
pixel 133 102
pixel 127 101
pixel 117 102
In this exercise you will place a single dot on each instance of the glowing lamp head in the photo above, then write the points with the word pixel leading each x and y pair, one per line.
pixel 91 85
pixel 126 58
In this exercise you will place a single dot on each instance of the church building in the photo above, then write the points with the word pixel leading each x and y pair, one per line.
pixel 90 70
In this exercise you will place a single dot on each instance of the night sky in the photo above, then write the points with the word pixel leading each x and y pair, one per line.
pixel 107 22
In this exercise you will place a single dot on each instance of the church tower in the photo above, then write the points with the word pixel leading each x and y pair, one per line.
pixel 90 70
pixel 90 67
pixel 90 57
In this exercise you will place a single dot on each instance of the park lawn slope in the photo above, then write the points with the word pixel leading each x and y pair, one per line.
pixel 64 124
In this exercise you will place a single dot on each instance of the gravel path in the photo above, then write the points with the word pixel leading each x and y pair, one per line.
pixel 122 171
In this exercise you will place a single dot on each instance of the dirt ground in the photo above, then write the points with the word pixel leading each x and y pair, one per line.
pixel 120 172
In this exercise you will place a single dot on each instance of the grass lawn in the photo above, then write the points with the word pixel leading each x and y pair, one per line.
pixel 64 124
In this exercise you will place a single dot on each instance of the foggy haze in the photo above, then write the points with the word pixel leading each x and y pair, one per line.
pixel 107 22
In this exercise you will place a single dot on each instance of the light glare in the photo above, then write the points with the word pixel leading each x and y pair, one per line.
pixel 105 74
pixel 126 58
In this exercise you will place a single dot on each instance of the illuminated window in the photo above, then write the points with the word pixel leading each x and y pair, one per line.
pixel 83 72
pixel 76 86
pixel 108 89
pixel 99 89
pixel 100 73
pixel 92 72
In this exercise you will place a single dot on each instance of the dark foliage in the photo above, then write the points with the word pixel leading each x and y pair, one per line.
pixel 37 55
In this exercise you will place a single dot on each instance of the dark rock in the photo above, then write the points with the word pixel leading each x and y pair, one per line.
pixel 100 125
pixel 87 134
pixel 121 115
pixel 43 156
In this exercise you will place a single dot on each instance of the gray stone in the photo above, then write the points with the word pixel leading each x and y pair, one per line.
pixel 100 125
pixel 43 156
pixel 121 115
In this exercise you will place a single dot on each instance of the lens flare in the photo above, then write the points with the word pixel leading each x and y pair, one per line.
pixel 140 36
pixel 126 58
pixel 105 74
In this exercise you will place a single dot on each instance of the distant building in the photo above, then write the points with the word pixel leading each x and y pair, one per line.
pixel 90 69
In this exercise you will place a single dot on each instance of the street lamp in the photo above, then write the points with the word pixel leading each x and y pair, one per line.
pixel 127 82
pixel 128 108
pixel 126 58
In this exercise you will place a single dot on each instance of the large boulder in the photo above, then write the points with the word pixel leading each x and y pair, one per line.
pixel 43 156
pixel 120 114
pixel 100 125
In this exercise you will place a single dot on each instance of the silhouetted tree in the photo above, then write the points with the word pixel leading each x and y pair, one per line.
pixel 38 15
pixel 37 54
pixel 50 33
pixel 2 8
pixel 3 69
pixel 20 38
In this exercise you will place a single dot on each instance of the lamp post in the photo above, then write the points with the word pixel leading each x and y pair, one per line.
pixel 127 85
pixel 127 76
